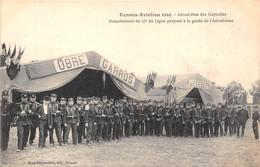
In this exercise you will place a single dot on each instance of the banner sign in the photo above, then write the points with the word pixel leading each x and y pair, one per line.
pixel 71 62
pixel 198 84
pixel 117 72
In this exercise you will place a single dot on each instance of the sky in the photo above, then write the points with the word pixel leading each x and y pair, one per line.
pixel 221 52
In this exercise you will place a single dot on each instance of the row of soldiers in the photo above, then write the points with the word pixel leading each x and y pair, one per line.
pixel 102 120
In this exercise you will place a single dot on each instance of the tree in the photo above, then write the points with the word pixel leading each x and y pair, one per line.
pixel 235 94
pixel 255 92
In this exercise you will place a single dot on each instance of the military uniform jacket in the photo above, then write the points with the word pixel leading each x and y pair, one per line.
pixel 228 113
pixel 197 116
pixel 47 117
pixel 151 110
pixel 130 112
pixel 141 114
pixel 167 115
pixel 187 115
pixel 33 107
pixel 7 115
pixel 56 114
pixel 109 114
pixel 159 114
pixel 146 112
pixel 71 115
pixel 208 115
pixel 177 114
pixel 255 117
pixel 62 109
pixel 242 115
pixel 81 110
pixel 90 115
pixel 219 115
pixel 27 119
pixel 116 113
pixel 100 116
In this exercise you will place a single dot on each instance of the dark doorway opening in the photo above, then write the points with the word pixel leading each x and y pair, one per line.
pixel 193 95
pixel 88 83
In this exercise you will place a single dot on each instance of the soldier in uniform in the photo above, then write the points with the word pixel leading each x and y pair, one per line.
pixel 123 109
pixel 44 115
pixel 255 118
pixel 35 121
pixel 95 102
pixel 235 119
pixel 109 119
pixel 219 118
pixel 158 119
pixel 192 108
pixel 141 118
pixel 197 119
pixel 209 120
pixel 187 120
pixel 129 119
pixel 71 121
pixel 147 119
pixel 182 111
pixel 152 117
pixel 86 107
pixel 23 123
pixel 228 120
pixel 100 118
pixel 6 119
pixel 135 120
pixel 177 119
pixel 242 118
pixel 56 120
pixel 62 109
pixel 81 110
pixel 167 120
pixel 90 115
pixel 117 121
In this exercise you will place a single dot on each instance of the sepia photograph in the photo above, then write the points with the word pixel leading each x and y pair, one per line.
pixel 130 83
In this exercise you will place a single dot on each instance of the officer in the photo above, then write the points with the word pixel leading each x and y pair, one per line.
pixel 109 119
pixel 35 121
pixel 81 110
pixel 255 118
pixel 242 118
pixel 167 120
pixel 147 119
pixel 56 120
pixel 228 120
pixel 90 115
pixel 187 120
pixel 6 119
pixel 209 120
pixel 219 120
pixel 177 119
pixel 71 121
pixel 44 115
pixel 24 122
pixel 62 109
pixel 197 119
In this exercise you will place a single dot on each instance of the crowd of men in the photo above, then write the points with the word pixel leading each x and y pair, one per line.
pixel 102 119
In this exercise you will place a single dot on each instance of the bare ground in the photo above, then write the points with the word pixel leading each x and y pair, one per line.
pixel 142 151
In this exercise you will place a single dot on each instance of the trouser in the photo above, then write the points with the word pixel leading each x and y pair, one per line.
pixel 177 127
pixel 140 127
pixel 100 127
pixel 209 128
pixel 255 130
pixel 94 137
pixel 122 127
pixel 90 131
pixel 243 124
pixel 135 128
pixel 5 129
pixel 128 127
pixel 117 130
pixel 108 130
pixel 32 134
pixel 228 125
pixel 235 127
pixel 81 131
pixel 158 127
pixel 218 126
pixel 22 135
pixel 72 126
pixel 43 132
pixel 168 128
pixel 63 131
pixel 147 127
pixel 152 126
pixel 187 128
pixel 57 127
pixel 197 127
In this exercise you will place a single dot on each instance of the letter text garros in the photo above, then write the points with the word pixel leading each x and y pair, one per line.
pixel 117 72
pixel 70 63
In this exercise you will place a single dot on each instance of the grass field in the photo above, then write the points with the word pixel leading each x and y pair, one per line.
pixel 141 151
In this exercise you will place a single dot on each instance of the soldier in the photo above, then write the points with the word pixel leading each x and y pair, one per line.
pixel 202 131
pixel 147 119
pixel 255 118
pixel 100 117
pixel 129 118
pixel 182 111
pixel 89 118
pixel 135 120
pixel 35 121
pixel 158 119
pixel 141 118
pixel 56 120
pixel 242 117
pixel 123 109
pixel 152 116
pixel 171 108
pixel 197 119
pixel 6 119
pixel 177 119
pixel 109 119
pixel 86 107
pixel 187 120
pixel 219 120
pixel 192 108
pixel 209 120
pixel 95 102
pixel 228 120
pixel 44 115
pixel 167 120
pixel 62 109
pixel 235 119
pixel 23 123
pixel 117 121
pixel 81 110
pixel 71 121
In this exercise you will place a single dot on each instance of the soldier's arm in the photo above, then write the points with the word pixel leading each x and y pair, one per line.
pixel 86 116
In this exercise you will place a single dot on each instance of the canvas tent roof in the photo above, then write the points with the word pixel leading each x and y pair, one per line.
pixel 186 87
pixel 51 74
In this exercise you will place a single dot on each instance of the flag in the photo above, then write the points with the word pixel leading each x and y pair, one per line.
pixel 19 56
pixel 149 84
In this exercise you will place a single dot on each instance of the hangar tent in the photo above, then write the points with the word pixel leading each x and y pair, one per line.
pixel 86 74
pixel 187 87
